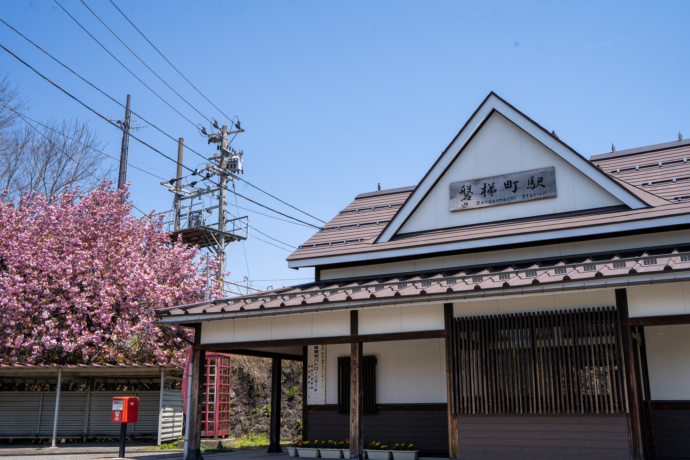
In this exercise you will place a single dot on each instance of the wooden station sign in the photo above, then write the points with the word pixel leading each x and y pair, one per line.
pixel 535 184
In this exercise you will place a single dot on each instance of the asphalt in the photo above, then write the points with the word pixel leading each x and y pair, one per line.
pixel 134 450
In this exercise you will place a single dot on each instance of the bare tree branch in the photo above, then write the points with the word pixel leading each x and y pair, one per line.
pixel 46 159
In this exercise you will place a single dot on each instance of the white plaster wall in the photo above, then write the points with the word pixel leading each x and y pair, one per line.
pixel 407 372
pixel 401 319
pixel 659 299
pixel 668 359
pixel 326 324
pixel 500 147
pixel 489 257
pixel 544 302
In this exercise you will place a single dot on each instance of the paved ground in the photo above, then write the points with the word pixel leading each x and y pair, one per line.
pixel 94 451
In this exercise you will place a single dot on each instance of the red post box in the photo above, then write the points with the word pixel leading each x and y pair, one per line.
pixel 125 409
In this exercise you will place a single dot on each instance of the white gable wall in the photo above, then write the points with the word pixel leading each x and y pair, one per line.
pixel 501 147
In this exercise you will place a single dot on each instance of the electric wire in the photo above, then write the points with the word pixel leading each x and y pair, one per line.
pixel 155 126
pixel 24 119
pixel 166 60
pixel 145 64
pixel 23 116
pixel 244 246
pixel 133 112
pixel 143 142
pixel 276 198
pixel 125 67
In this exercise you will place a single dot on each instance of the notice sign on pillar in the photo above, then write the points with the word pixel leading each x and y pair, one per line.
pixel 316 375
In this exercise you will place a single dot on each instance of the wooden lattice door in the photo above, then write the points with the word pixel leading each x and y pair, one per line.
pixel 216 408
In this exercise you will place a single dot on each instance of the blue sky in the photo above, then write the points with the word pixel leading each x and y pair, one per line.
pixel 336 97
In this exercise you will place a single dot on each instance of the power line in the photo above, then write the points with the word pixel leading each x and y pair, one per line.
pixel 140 60
pixel 135 113
pixel 166 60
pixel 23 116
pixel 120 62
pixel 276 198
pixel 144 143
pixel 24 119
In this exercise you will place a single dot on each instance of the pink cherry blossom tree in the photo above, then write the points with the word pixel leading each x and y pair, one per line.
pixel 80 279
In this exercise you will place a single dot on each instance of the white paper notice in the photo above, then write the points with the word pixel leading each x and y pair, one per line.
pixel 316 375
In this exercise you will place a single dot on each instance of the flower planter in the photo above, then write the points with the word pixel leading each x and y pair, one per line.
pixel 307 452
pixel 331 453
pixel 405 454
pixel 292 451
pixel 378 454
pixel 345 452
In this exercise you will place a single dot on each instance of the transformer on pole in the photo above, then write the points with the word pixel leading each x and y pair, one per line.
pixel 199 216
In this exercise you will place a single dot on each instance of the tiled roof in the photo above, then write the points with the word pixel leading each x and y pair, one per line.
pixel 355 229
pixel 662 170
pixel 428 286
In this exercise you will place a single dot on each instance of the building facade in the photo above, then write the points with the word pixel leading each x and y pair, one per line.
pixel 521 301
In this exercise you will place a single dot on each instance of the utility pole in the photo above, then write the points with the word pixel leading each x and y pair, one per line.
pixel 222 202
pixel 122 177
pixel 178 185
pixel 189 218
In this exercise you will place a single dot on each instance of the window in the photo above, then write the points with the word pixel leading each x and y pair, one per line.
pixel 368 384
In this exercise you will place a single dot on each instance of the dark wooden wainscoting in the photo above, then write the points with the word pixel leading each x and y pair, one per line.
pixel 671 421
pixel 543 437
pixel 425 425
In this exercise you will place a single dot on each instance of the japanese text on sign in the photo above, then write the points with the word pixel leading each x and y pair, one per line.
pixel 316 375
pixel 535 184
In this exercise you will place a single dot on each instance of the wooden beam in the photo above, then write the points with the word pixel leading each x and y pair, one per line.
pixel 664 320
pixel 390 337
pixel 196 400
pixel 648 426
pixel 266 354
pixel 453 434
pixel 274 432
pixel 356 396
pixel 670 405
pixel 631 379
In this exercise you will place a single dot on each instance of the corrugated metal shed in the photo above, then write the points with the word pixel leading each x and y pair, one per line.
pixel 86 414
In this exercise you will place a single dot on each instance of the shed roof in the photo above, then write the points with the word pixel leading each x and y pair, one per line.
pixel 79 372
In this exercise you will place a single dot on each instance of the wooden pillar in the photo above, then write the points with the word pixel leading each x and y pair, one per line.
pixel 453 435
pixel 305 412
pixel 274 433
pixel 632 379
pixel 196 399
pixel 356 400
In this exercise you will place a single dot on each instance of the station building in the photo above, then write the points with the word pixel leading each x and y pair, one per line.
pixel 521 301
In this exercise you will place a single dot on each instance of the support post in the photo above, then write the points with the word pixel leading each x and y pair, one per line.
pixel 87 411
pixel 632 379
pixel 276 373
pixel 453 434
pixel 196 400
pixel 123 439
pixel 57 407
pixel 356 400
pixel 160 407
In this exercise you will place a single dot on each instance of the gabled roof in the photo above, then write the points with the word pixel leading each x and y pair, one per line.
pixel 366 230
pixel 597 270
pixel 493 103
